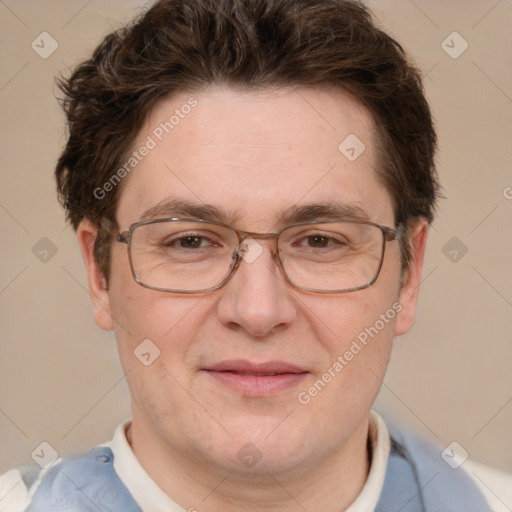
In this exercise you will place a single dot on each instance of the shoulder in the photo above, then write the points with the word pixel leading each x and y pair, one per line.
pixel 450 482
pixel 15 487
pixel 73 484
pixel 494 484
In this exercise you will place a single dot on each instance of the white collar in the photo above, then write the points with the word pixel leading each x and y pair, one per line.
pixel 151 498
pixel 381 444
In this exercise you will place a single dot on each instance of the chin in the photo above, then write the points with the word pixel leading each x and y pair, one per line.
pixel 266 446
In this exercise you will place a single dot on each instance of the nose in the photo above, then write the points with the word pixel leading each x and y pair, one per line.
pixel 257 298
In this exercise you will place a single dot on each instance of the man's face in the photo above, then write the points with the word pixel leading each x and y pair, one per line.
pixel 254 156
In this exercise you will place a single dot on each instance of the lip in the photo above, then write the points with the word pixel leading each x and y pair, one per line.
pixel 257 379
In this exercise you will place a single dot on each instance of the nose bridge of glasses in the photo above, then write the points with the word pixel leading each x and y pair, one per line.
pixel 249 234
pixel 248 247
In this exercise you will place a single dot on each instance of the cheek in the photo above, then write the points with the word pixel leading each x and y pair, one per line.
pixel 360 316
pixel 357 344
pixel 145 320
pixel 349 380
pixel 356 332
pixel 154 333
pixel 139 312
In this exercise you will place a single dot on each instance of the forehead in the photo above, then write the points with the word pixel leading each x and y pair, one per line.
pixel 255 154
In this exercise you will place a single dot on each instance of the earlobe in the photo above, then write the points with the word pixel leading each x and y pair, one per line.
pixel 86 234
pixel 409 292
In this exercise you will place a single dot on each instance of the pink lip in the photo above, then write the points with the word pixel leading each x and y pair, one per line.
pixel 251 379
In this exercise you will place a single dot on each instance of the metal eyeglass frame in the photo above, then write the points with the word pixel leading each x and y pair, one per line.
pixel 388 235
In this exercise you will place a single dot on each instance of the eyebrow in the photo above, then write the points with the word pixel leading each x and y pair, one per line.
pixel 323 211
pixel 181 208
pixel 298 213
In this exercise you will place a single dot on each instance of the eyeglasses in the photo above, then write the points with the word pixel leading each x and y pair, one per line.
pixel 183 255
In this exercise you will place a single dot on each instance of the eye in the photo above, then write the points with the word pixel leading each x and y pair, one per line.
pixel 318 241
pixel 190 242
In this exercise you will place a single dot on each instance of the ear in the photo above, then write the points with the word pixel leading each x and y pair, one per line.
pixel 411 281
pixel 86 234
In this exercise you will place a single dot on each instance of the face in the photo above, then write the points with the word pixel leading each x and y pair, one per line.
pixel 255 155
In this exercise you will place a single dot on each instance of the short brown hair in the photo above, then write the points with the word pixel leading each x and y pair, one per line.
pixel 179 45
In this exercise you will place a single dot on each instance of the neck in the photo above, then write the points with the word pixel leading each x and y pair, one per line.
pixel 330 484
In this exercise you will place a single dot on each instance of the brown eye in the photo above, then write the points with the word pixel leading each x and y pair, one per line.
pixel 190 242
pixel 318 241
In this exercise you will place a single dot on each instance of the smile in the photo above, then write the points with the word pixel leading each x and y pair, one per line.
pixel 257 380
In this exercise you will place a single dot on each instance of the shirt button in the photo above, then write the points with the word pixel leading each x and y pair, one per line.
pixel 103 458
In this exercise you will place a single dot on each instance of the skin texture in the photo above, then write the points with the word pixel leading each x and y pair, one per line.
pixel 253 154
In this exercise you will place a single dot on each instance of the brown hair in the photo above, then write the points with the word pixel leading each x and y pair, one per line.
pixel 180 45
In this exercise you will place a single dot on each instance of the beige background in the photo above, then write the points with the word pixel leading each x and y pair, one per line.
pixel 450 377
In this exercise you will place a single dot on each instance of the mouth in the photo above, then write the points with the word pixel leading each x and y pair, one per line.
pixel 255 374
pixel 257 380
